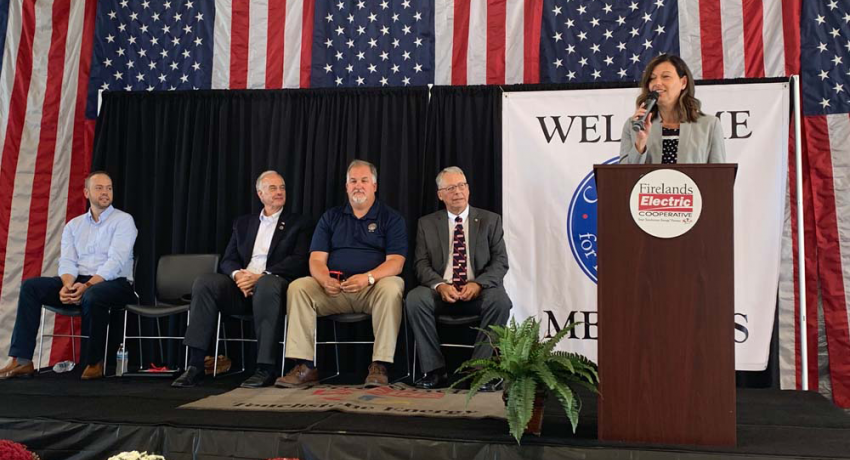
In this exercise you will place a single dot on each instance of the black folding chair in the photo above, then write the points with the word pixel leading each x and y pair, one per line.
pixel 451 321
pixel 175 275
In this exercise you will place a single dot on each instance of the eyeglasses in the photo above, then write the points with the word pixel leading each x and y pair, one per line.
pixel 451 189
pixel 274 188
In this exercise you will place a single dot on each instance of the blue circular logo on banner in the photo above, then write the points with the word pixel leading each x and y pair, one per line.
pixel 581 224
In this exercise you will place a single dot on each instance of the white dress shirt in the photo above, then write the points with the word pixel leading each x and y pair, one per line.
pixel 260 254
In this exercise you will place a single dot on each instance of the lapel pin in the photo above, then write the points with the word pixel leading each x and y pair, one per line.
pixel 372 227
pixel 281 226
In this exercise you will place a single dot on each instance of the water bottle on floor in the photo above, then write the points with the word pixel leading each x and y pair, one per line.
pixel 121 361
pixel 63 366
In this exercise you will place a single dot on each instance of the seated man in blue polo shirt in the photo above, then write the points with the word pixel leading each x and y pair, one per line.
pixel 356 254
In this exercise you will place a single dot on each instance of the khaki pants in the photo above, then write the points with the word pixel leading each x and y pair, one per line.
pixel 306 300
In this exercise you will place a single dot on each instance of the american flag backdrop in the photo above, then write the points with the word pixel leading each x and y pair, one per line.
pixel 56 55
pixel 825 47
pixel 605 41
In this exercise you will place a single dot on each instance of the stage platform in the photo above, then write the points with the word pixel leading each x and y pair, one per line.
pixel 61 417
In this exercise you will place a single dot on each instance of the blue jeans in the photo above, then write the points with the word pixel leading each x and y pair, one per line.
pixel 96 304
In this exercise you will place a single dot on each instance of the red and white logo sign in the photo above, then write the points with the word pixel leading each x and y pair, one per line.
pixel 666 203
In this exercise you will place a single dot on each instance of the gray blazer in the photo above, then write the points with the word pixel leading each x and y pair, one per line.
pixel 487 252
pixel 700 142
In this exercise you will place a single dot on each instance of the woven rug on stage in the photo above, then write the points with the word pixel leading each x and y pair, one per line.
pixel 391 400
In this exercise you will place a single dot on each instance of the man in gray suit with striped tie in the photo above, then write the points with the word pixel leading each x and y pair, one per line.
pixel 461 262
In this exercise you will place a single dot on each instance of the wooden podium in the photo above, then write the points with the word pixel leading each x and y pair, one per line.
pixel 666 315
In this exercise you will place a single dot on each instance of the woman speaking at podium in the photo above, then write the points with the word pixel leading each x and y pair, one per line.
pixel 668 125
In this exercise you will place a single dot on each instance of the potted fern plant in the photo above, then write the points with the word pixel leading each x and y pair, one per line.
pixel 531 369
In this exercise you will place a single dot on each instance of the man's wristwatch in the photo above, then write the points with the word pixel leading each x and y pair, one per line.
pixel 371 278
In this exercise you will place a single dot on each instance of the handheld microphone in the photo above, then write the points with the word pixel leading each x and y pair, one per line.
pixel 638 125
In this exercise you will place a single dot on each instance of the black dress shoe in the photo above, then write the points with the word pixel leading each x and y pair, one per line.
pixel 261 378
pixel 191 378
pixel 491 386
pixel 432 381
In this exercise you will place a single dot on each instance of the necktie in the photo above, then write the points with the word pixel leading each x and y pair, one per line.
pixel 459 255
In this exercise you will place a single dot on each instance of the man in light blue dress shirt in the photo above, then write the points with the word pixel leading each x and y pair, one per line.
pixel 95 272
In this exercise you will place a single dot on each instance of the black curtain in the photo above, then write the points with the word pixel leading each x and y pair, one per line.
pixel 184 163
pixel 464 129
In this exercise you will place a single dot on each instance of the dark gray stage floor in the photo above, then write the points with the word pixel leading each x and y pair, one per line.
pixel 62 417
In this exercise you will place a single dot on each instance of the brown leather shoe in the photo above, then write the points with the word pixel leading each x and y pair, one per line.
pixel 377 375
pixel 299 376
pixel 12 364
pixel 13 370
pixel 224 364
pixel 93 371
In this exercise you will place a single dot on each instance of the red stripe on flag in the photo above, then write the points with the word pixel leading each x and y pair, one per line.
pixel 307 42
pixel 496 30
pixel 15 125
pixel 753 38
pixel 89 129
pixel 43 174
pixel 240 22
pixel 81 148
pixel 83 143
pixel 533 17
pixel 43 177
pixel 829 258
pixel 810 264
pixel 274 48
pixel 791 34
pixel 711 39
pixel 460 42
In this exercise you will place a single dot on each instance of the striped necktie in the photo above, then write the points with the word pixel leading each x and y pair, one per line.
pixel 459 255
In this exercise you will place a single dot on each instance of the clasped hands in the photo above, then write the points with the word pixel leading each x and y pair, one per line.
pixel 245 281
pixel 72 294
pixel 353 284
pixel 451 294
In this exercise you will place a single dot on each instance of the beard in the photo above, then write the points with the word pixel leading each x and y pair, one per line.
pixel 101 203
pixel 359 199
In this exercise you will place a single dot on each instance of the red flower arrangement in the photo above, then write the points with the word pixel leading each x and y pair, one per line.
pixel 13 451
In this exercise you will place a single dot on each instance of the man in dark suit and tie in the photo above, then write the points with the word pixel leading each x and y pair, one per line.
pixel 264 255
pixel 460 262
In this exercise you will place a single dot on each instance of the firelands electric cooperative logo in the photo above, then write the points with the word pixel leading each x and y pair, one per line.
pixel 665 203
pixel 581 224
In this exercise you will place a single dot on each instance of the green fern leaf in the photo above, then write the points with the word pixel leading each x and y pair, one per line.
pixel 465 378
pixel 525 345
pixel 550 344
pixel 546 376
pixel 582 362
pixel 520 404
pixel 485 363
pixel 569 401
pixel 563 361
pixel 581 383
pixel 480 379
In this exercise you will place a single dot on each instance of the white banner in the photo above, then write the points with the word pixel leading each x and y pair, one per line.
pixel 552 139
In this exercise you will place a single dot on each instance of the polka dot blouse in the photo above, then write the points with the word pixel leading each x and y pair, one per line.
pixel 669 145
